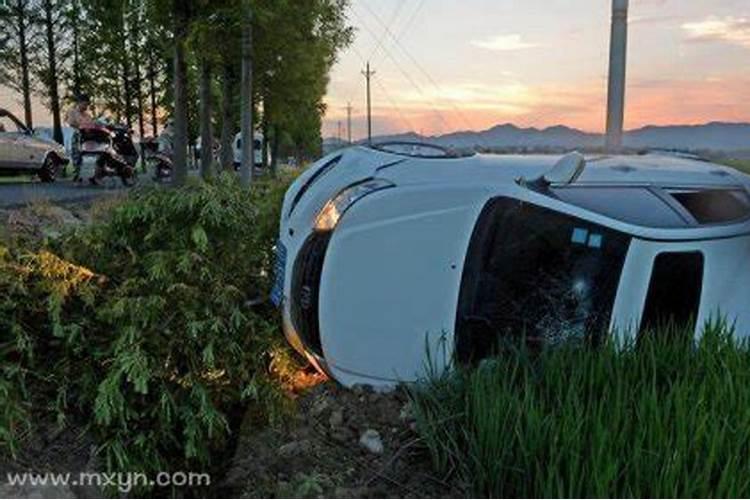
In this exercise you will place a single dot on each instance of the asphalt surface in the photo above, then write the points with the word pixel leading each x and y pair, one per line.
pixel 64 190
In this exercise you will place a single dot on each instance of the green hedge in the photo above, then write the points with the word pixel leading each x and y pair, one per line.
pixel 142 324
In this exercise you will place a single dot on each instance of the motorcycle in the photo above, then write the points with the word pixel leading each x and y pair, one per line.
pixel 113 152
pixel 160 162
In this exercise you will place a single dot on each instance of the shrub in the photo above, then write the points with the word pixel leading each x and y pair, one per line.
pixel 657 420
pixel 146 325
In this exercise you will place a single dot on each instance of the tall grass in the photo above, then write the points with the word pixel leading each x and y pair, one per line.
pixel 660 419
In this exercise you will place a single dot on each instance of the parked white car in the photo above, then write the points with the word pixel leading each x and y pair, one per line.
pixel 22 153
pixel 257 150
pixel 396 260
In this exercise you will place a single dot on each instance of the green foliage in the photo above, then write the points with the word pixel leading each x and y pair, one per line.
pixel 657 420
pixel 142 321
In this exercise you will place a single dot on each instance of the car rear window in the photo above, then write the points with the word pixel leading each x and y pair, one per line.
pixel 634 205
pixel 715 206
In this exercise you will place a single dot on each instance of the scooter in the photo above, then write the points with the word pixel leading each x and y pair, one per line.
pixel 159 162
pixel 98 143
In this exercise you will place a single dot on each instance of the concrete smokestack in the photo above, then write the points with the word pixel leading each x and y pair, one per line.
pixel 617 64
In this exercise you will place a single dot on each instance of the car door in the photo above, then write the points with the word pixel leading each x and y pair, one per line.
pixel 31 151
pixel 11 156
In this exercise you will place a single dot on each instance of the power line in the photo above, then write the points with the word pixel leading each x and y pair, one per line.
pixel 388 97
pixel 395 106
pixel 416 64
pixel 369 74
pixel 383 37
pixel 406 74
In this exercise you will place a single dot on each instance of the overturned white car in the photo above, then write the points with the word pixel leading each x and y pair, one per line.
pixel 398 259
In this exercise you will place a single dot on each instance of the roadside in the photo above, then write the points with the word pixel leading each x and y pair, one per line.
pixel 339 443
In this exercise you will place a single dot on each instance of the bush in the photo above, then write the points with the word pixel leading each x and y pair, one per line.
pixel 659 420
pixel 145 322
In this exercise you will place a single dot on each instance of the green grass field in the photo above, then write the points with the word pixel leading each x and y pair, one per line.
pixel 657 420
pixel 743 165
pixel 15 179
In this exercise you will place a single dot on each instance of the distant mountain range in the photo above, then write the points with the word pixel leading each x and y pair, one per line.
pixel 715 136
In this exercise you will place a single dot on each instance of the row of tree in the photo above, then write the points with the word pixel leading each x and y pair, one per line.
pixel 212 65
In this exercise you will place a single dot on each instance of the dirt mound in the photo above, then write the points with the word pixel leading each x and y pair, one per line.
pixel 341 443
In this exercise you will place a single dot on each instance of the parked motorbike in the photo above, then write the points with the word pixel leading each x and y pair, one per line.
pixel 113 152
pixel 159 162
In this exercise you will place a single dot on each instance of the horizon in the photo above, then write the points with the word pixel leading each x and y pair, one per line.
pixel 548 127
pixel 444 67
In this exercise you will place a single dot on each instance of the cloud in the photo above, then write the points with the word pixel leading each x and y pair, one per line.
pixel 734 30
pixel 503 43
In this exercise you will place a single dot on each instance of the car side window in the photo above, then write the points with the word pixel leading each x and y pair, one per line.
pixel 539 275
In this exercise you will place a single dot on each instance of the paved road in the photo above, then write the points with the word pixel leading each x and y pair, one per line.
pixel 63 190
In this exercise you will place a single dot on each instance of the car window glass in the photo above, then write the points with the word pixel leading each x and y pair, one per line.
pixel 715 206
pixel 674 293
pixel 633 205
pixel 9 126
pixel 537 274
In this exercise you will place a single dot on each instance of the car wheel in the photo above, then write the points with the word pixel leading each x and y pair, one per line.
pixel 49 170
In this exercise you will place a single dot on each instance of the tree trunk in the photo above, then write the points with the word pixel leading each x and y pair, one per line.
pixel 138 84
pixel 275 149
pixel 180 95
pixel 76 50
pixel 207 137
pixel 23 47
pixel 227 125
pixel 246 168
pixel 54 92
pixel 126 80
pixel 152 91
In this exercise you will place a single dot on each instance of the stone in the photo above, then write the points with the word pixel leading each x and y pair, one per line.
pixel 336 419
pixel 371 441
pixel 295 448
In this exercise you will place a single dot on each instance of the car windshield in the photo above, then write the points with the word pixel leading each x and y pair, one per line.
pixel 7 125
pixel 536 274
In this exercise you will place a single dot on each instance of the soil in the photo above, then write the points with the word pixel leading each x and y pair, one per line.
pixel 318 454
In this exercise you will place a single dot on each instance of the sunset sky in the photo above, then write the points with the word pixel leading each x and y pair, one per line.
pixel 445 65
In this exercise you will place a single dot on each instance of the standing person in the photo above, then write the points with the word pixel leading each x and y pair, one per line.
pixel 78 117
pixel 166 139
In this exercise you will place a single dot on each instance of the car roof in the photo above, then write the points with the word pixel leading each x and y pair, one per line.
pixel 648 169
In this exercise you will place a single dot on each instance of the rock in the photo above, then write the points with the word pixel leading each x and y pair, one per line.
pixel 371 441
pixel 295 448
pixel 336 419
pixel 320 406
pixel 342 434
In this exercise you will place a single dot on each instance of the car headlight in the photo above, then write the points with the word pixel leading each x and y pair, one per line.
pixel 330 214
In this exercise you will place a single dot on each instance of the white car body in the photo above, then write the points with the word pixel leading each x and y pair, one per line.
pixel 411 274
pixel 257 149
pixel 21 152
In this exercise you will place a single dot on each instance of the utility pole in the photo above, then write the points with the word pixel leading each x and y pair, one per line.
pixel 349 122
pixel 369 74
pixel 338 133
pixel 617 68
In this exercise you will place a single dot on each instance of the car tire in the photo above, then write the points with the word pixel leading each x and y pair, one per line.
pixel 49 169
